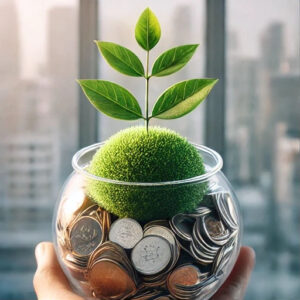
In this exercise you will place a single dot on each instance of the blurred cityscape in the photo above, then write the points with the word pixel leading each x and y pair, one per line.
pixel 263 158
pixel 38 136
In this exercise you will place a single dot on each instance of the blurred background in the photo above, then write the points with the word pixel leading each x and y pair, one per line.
pixel 252 116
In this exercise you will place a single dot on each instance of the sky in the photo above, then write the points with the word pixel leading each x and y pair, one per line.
pixel 248 18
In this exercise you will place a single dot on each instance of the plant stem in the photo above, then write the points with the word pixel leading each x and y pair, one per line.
pixel 147 77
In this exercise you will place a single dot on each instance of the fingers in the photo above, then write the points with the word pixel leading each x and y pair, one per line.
pixel 235 286
pixel 49 280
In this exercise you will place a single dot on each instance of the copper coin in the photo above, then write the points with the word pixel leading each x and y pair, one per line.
pixel 108 279
pixel 185 275
pixel 85 236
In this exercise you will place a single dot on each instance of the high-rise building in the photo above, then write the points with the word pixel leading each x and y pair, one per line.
pixel 29 180
pixel 284 120
pixel 272 47
pixel 63 72
pixel 242 121
pixel 37 125
pixel 9 41
pixel 9 65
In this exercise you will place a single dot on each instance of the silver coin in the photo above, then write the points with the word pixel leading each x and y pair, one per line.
pixel 214 227
pixel 85 236
pixel 151 255
pixel 218 239
pixel 161 231
pixel 126 232
pixel 226 210
pixel 231 212
pixel 183 226
pixel 164 223
pixel 200 211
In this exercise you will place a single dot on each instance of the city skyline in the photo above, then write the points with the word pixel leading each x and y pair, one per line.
pixel 35 11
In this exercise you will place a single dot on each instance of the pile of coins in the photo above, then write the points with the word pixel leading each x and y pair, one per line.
pixel 118 258
pixel 110 273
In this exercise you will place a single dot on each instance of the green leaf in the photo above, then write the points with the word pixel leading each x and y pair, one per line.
pixel 147 30
pixel 121 59
pixel 173 60
pixel 181 98
pixel 112 99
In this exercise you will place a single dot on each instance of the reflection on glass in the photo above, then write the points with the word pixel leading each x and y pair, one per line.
pixel 37 95
pixel 182 22
pixel 263 138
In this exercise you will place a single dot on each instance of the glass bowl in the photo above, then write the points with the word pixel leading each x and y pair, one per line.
pixel 185 256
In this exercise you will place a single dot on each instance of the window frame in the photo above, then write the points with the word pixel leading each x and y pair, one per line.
pixel 88 68
pixel 216 67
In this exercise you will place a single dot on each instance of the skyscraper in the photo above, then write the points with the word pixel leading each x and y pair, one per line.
pixel 9 41
pixel 9 65
pixel 37 120
pixel 272 47
pixel 63 72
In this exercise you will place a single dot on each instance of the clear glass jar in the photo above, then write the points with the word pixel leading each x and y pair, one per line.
pixel 187 256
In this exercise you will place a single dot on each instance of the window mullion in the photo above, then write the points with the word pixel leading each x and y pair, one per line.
pixel 215 68
pixel 88 68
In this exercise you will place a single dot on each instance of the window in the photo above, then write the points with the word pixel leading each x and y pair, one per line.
pixel 38 128
pixel 42 125
pixel 263 137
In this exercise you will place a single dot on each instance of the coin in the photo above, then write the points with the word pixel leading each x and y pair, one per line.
pixel 186 281
pixel 110 280
pixel 214 227
pixel 85 235
pixel 151 255
pixel 161 231
pixel 164 223
pixel 126 232
pixel 226 210
pixel 213 231
pixel 223 256
pixel 199 212
pixel 182 225
pixel 112 252
pixel 187 275
pixel 144 293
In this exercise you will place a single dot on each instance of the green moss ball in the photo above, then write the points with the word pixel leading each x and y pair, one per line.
pixel 133 155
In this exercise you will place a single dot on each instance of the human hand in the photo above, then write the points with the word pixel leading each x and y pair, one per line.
pixel 50 283
pixel 234 287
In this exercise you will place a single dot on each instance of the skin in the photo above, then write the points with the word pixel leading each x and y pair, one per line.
pixel 50 282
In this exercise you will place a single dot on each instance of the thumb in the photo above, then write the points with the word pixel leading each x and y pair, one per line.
pixel 49 280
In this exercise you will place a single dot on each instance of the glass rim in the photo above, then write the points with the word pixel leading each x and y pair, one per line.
pixel 196 179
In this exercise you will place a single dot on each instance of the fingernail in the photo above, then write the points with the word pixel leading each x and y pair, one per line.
pixel 39 252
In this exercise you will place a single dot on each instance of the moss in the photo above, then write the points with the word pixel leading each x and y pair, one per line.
pixel 132 155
